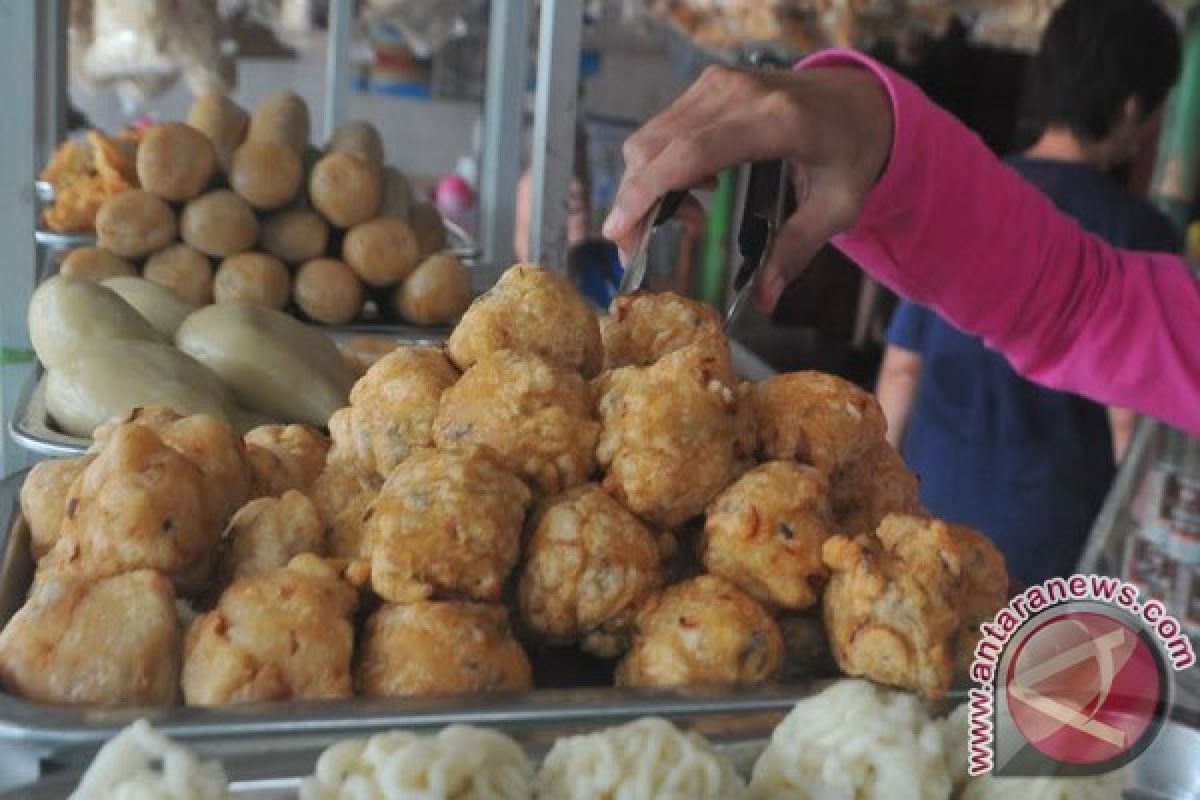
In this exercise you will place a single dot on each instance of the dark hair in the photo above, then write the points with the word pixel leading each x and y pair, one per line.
pixel 1095 55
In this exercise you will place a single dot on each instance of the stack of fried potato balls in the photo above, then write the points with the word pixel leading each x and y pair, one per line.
pixel 234 207
pixel 548 480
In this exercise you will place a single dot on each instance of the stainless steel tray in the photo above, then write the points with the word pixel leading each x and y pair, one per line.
pixel 63 241
pixel 31 427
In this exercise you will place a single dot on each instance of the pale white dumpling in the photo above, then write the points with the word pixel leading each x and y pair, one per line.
pixel 142 764
pixel 649 758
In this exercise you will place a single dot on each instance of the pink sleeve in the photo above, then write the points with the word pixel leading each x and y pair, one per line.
pixel 953 228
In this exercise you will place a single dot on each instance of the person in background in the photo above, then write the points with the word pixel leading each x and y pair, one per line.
pixel 1028 465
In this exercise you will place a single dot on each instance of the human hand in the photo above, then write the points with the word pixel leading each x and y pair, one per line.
pixel 833 125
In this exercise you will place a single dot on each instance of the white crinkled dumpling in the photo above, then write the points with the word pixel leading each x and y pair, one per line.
pixel 142 764
pixel 854 740
pixel 1100 787
pixel 649 759
pixel 459 763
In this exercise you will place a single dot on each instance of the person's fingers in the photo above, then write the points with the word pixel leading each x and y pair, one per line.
pixel 690 214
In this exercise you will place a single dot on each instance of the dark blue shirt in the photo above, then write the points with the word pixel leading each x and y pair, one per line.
pixel 1027 465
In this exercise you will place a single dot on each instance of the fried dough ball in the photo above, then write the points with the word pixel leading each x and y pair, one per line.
pixel 590 564
pixel 875 485
pixel 328 291
pixel 381 252
pixel 445 524
pixel 139 505
pixel 816 419
pixel 427 221
pixel 266 174
pixel 184 270
pixel 346 189
pixel 135 223
pixel 535 416
pixel 282 117
pixel 643 327
pixel 99 642
pixel 294 235
pixel 219 224
pixel 223 121
pixel 437 291
pixel 703 631
pixel 280 635
pixel 95 264
pixel 254 278
pixel 530 310
pixel 175 161
pixel 267 533
pixel 667 437
pixel 360 138
pixel 44 499
pixel 984 588
pixel 284 457
pixel 392 410
pixel 892 606
pixel 363 352
pixel 764 534
pixel 441 648
pixel 398 201
pixel 343 496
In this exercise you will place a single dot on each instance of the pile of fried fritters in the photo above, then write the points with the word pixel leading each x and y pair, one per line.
pixel 550 479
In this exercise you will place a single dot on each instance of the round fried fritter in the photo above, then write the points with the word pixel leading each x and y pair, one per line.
pixel 219 224
pixel 267 533
pixel 254 278
pixel 392 410
pixel 440 648
pixel 445 524
pixel 359 137
pixel 667 436
pixel 280 635
pixel 328 291
pixel 703 631
pixel 590 564
pixel 223 121
pixel 816 419
pixel 535 416
pixel 82 641
pixel 135 223
pixel 381 252
pixel 95 264
pixel 184 270
pixel 427 221
pixel 281 117
pixel 892 606
pixel 346 189
pixel 284 457
pixel 437 291
pixel 266 174
pixel 139 505
pixel 294 235
pixel 984 589
pixel 530 310
pixel 871 487
pixel 764 534
pixel 175 161
pixel 398 202
pixel 44 499
pixel 643 327
pixel 343 496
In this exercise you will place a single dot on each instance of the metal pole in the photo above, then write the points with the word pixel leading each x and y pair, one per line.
pixel 1178 169
pixel 337 65
pixel 503 117
pixel 559 40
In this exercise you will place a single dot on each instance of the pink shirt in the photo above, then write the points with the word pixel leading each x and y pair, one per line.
pixel 954 229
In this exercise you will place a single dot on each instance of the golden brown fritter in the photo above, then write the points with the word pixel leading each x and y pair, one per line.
pixel 139 505
pixel 984 588
pixel 107 642
pixel 280 635
pixel 446 525
pixel 816 419
pixel 875 485
pixel 703 631
pixel 343 496
pixel 590 564
pixel 269 532
pixel 536 418
pixel 764 534
pixel 285 457
pixel 892 606
pixel 643 327
pixel 440 648
pixel 392 409
pixel 44 499
pixel 530 310
pixel 667 436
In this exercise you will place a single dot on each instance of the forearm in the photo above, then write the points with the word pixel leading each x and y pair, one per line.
pixel 951 227
pixel 896 391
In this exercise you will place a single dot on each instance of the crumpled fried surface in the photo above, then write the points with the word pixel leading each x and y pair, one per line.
pixel 873 486
pixel 267 533
pixel 284 458
pixel 343 496
pixel 643 327
pixel 44 499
